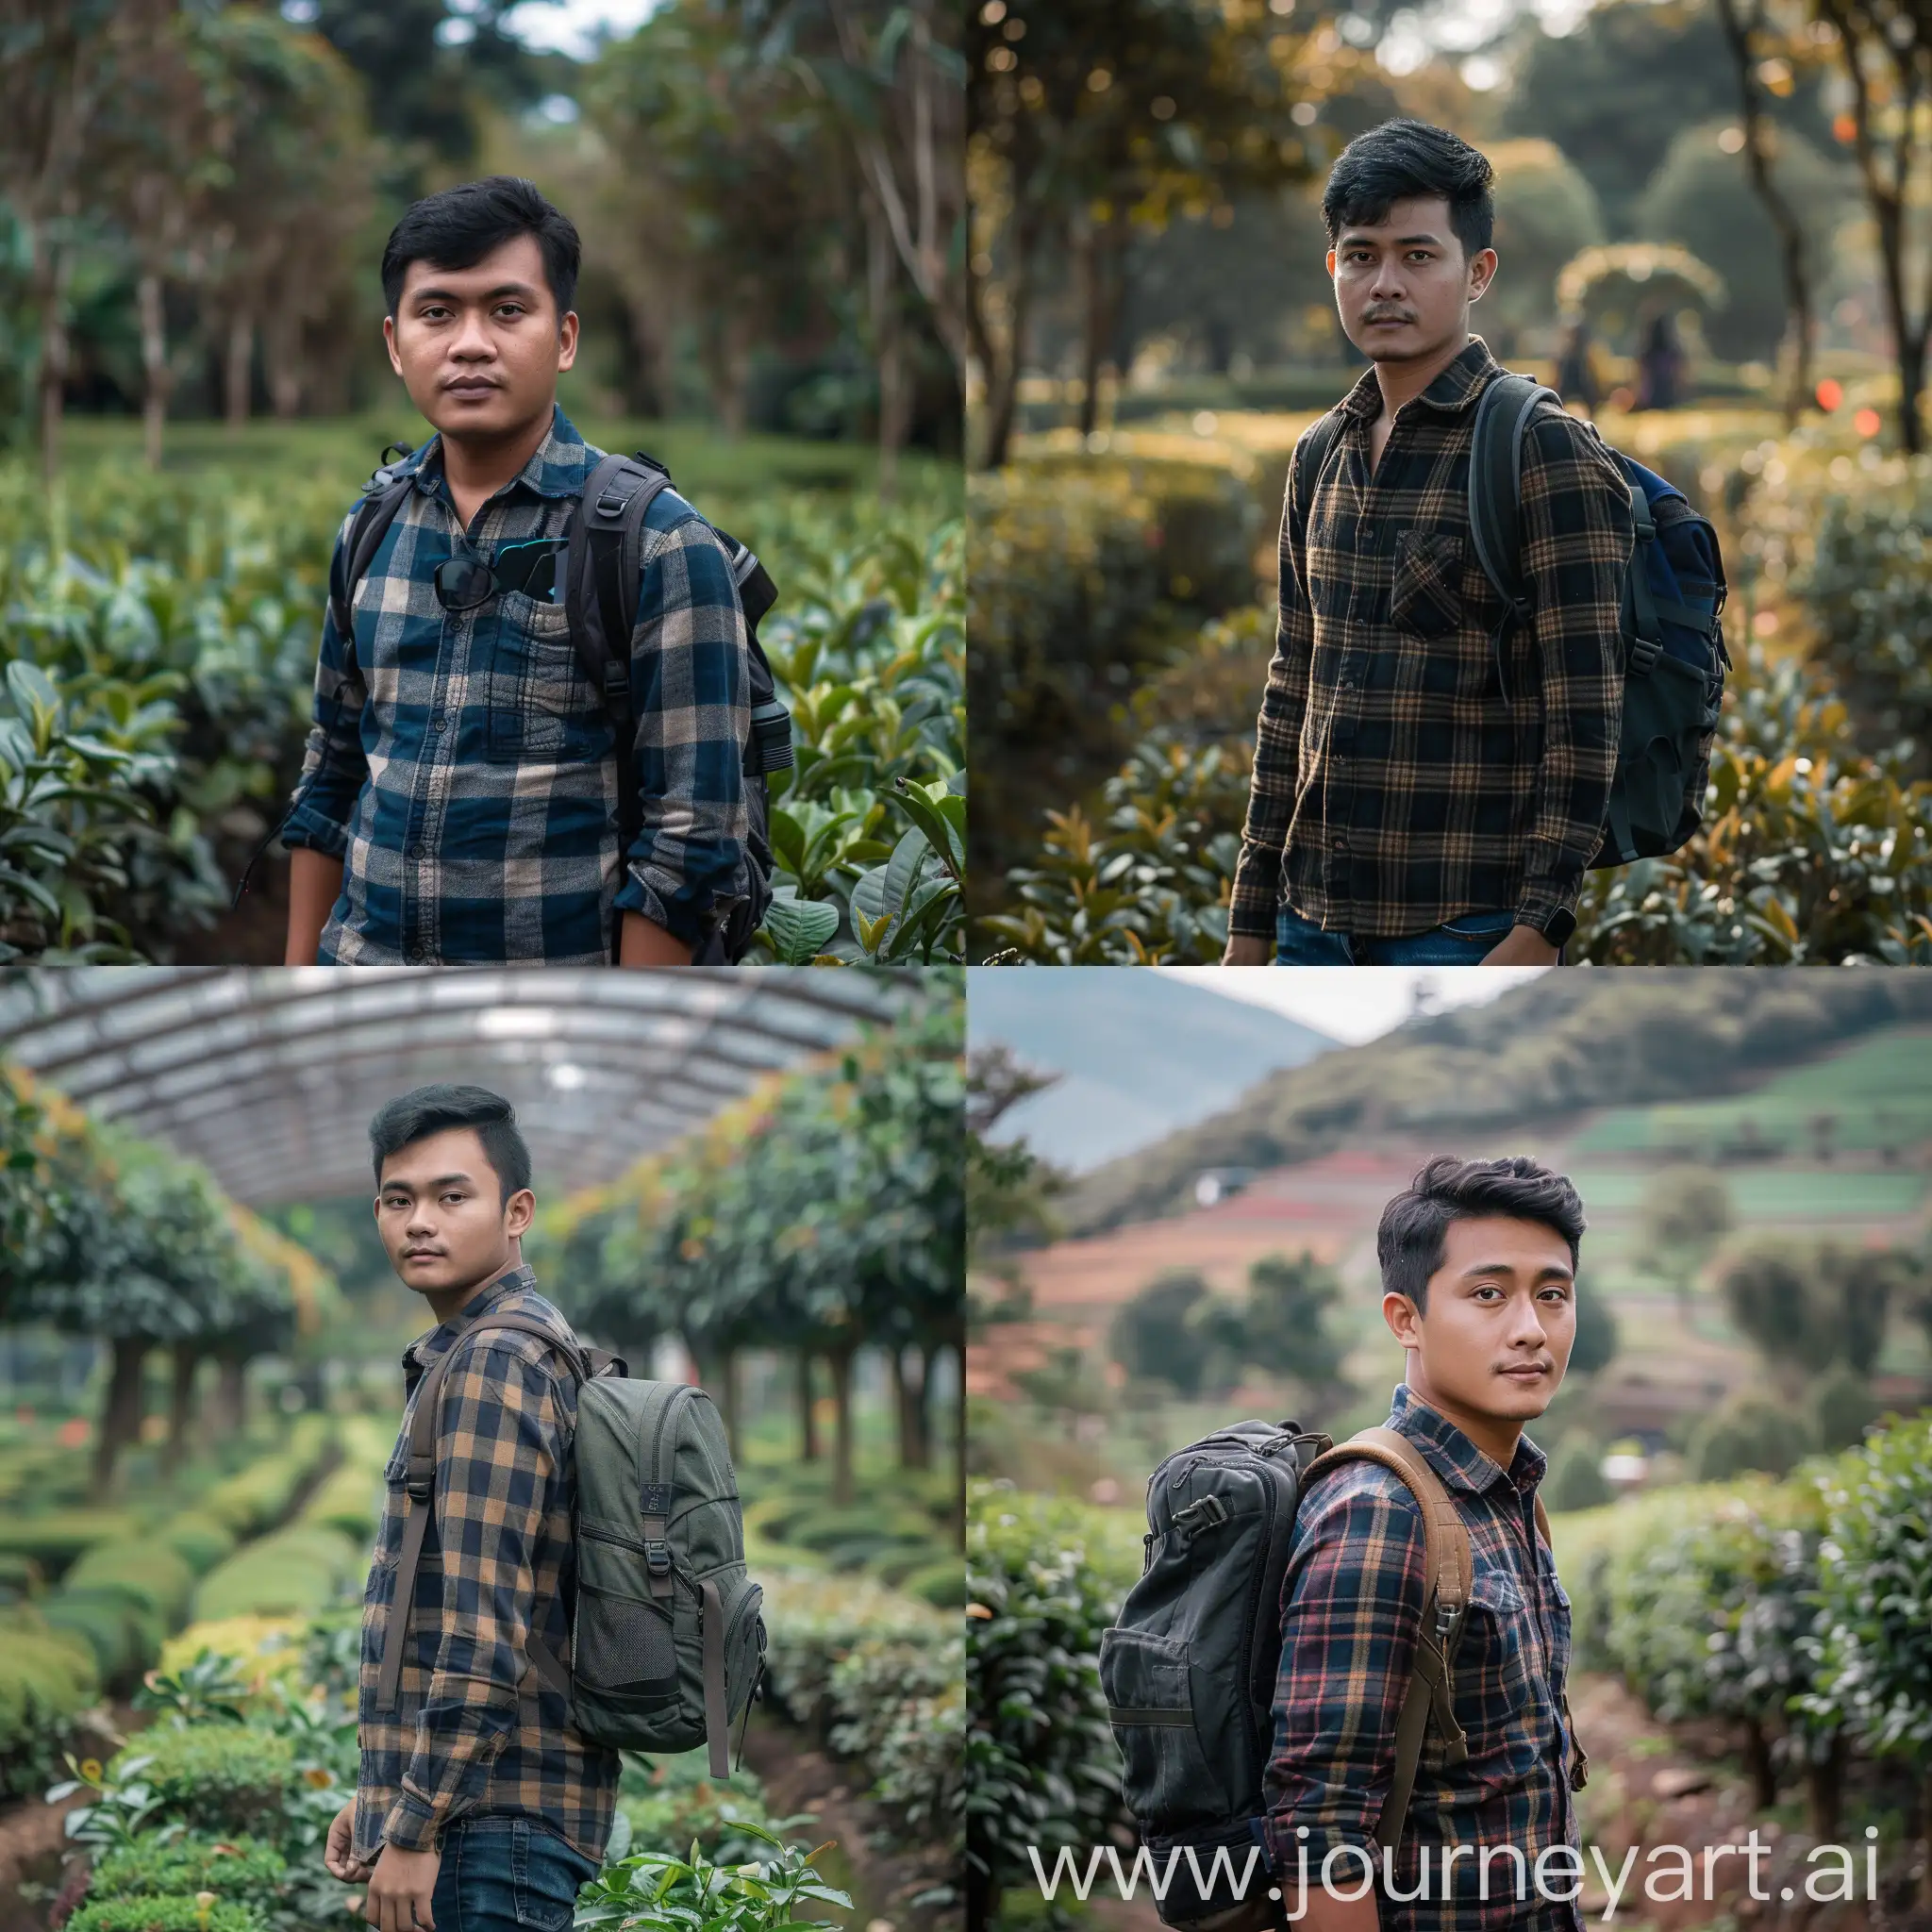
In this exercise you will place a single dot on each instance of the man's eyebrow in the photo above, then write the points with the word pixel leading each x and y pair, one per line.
pixel 1400 241
pixel 1550 1270
pixel 489 295
pixel 441 1181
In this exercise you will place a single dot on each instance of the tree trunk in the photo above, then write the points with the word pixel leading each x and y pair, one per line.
pixel 889 348
pixel 231 1386
pixel 156 376
pixel 1791 236
pixel 120 1413
pixel 281 351
pixel 238 371
pixel 909 1401
pixel 55 263
pixel 1002 361
pixel 1825 1792
pixel 1101 293
pixel 1925 1863
pixel 839 1362
pixel 1085 248
pixel 928 1354
pixel 1757 1762
pixel 807 1422
pixel 960 1449
pixel 186 1358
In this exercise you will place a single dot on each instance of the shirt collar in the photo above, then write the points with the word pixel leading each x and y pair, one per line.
pixel 558 466
pixel 1455 387
pixel 426 1348
pixel 1454 1457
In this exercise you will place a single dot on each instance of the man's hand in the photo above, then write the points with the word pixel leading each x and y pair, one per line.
pixel 1243 950
pixel 1522 945
pixel 315 883
pixel 643 943
pixel 400 1889
pixel 342 1862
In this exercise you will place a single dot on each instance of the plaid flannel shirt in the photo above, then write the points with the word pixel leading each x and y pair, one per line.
pixel 472 1731
pixel 1395 788
pixel 463 767
pixel 1352 1605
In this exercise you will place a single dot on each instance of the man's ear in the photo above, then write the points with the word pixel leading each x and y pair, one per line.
pixel 388 339
pixel 520 1211
pixel 1404 1320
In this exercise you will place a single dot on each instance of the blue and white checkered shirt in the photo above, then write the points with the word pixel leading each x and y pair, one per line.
pixel 463 767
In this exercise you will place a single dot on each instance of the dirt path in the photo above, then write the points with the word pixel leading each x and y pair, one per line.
pixel 797 1777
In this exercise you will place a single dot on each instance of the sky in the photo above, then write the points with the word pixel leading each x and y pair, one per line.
pixel 1354 1003
pixel 567 25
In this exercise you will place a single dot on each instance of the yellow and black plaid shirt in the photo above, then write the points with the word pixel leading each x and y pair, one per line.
pixel 1394 787
pixel 472 1731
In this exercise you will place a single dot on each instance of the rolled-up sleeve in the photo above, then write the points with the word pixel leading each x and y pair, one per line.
pixel 1577 532
pixel 334 765
pixel 501 1448
pixel 1352 1608
pixel 1277 774
pixel 690 687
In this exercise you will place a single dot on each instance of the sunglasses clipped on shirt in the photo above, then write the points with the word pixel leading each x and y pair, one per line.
pixel 464 583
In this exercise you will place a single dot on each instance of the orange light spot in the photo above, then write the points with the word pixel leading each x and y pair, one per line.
pixel 1865 423
pixel 1830 394
pixel 1844 129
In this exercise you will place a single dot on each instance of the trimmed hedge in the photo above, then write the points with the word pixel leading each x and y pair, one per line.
pixel 218 1777
pixel 228 1868
pixel 147 1571
pixel 198 1538
pixel 261 1495
pixel 296 1572
pixel 169 1912
pixel 59 1538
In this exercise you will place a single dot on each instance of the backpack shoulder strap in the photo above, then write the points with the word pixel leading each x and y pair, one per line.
pixel 604 560
pixel 383 495
pixel 1495 481
pixel 1447 1569
pixel 1310 453
pixel 420 1486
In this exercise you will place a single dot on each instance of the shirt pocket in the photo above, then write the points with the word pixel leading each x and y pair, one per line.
pixel 1500 1701
pixel 541 705
pixel 1425 597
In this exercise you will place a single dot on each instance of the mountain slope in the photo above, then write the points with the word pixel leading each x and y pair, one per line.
pixel 1139 1055
pixel 1560 1046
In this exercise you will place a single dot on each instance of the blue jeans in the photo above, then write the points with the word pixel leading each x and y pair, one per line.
pixel 1462 941
pixel 501 1872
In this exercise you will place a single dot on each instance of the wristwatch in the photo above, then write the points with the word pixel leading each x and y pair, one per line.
pixel 1558 927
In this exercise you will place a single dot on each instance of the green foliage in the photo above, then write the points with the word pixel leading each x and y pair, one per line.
pixel 1159 1334
pixel 218 1777
pixel 1576 1479
pixel 1867 590
pixel 1594 1345
pixel 1874 1668
pixel 902 1716
pixel 55 1539
pixel 1842 1408
pixel 260 1494
pixel 293 1572
pixel 144 1570
pixel 1545 211
pixel 200 1539
pixel 1702 197
pixel 1084 576
pixel 240 1868
pixel 47 1679
pixel 1748 1432
pixel 657 1893
pixel 165 1912
pixel 1042 1765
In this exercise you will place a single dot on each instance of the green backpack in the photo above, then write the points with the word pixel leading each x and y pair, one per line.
pixel 667 1639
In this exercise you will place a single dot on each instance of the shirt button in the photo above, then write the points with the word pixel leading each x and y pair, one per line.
pixel 412 850
pixel 1340 842
pixel 413 956
pixel 437 723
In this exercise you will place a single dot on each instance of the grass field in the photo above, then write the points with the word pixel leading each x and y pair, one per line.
pixel 1879 1093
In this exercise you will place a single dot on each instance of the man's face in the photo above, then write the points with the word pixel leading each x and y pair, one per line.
pixel 1502 1317
pixel 479 348
pixel 441 1213
pixel 1402 285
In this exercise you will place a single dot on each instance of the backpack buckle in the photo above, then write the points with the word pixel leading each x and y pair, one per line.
pixel 1643 654
pixel 1203 1513
pixel 657 1558
pixel 611 504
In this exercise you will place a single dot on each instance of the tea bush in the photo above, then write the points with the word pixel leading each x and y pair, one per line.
pixel 220 1778
pixel 1042 1765
pixel 158 639
pixel 238 1868
pixel 165 1912
pixel 291 1572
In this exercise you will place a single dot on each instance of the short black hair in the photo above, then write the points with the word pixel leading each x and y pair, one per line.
pixel 426 1111
pixel 1410 1242
pixel 1409 160
pixel 457 226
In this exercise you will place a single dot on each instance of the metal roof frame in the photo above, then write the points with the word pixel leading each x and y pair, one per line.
pixel 269 1075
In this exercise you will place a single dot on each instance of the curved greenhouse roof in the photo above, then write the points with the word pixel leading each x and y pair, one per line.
pixel 270 1075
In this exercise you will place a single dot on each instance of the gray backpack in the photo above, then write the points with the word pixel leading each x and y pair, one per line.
pixel 1190 1669
pixel 667 1642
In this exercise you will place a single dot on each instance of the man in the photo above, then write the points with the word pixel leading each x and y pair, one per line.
pixel 1478 1264
pixel 458 797
pixel 1425 793
pixel 477 1808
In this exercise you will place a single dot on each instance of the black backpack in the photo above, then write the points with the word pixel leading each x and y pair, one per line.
pixel 1189 1669
pixel 604 571
pixel 1674 594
